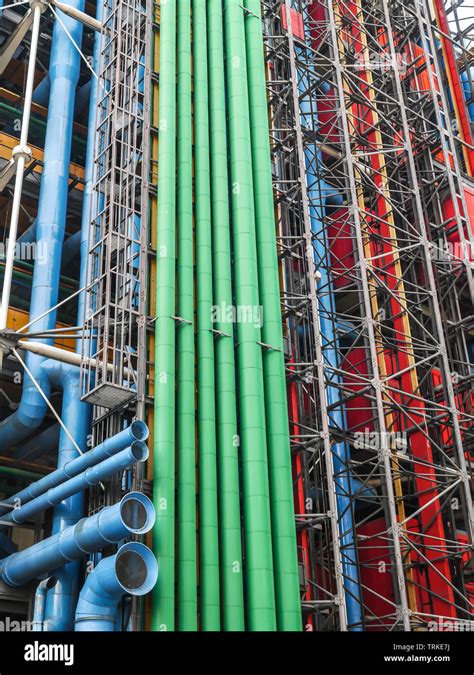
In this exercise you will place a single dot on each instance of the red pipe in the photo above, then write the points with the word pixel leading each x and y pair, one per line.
pixel 431 522
pixel 457 89
pixel 300 501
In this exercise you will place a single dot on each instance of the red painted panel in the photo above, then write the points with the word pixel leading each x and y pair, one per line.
pixel 296 22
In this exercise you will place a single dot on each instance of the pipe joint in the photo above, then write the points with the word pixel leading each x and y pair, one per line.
pixel 134 514
pixel 132 571
pixel 21 152
pixel 41 4
pixel 61 374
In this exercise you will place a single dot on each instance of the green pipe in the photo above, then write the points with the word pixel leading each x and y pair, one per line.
pixel 285 556
pixel 186 445
pixel 233 618
pixel 16 302
pixel 19 473
pixel 208 501
pixel 19 303
pixel 260 591
pixel 66 283
pixel 13 113
pixel 165 334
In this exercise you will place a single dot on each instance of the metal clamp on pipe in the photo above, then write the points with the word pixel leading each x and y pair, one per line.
pixel 8 341
pixel 8 171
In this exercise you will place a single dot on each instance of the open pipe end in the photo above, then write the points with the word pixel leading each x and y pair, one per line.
pixel 139 430
pixel 136 568
pixel 137 512
pixel 139 451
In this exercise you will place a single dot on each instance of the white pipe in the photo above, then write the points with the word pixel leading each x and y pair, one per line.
pixel 50 352
pixel 78 15
pixel 20 153
pixel 64 356
pixel 48 402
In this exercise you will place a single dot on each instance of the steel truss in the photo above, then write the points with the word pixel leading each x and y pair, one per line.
pixel 399 299
pixel 455 28
pixel 116 308
pixel 116 320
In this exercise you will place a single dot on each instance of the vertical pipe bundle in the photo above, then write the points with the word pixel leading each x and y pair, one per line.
pixel 208 527
pixel 241 417
pixel 256 500
pixel 276 406
pixel 226 401
pixel 186 446
pixel 165 338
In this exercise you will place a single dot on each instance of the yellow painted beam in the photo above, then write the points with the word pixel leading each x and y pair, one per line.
pixel 17 318
pixel 7 143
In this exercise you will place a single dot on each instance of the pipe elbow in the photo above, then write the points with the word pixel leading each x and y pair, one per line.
pixel 61 374
pixel 28 417
pixel 133 570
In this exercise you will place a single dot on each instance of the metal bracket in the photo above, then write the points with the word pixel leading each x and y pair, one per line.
pixel 220 333
pixel 268 347
pixel 8 341
pixel 180 320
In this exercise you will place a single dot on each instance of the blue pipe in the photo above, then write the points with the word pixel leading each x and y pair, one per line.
pixel 71 248
pixel 7 547
pixel 322 195
pixel 134 514
pixel 137 431
pixel 88 206
pixel 83 97
pixel 29 235
pixel 133 570
pixel 61 599
pixel 467 79
pixel 40 595
pixel 41 91
pixel 42 444
pixel 51 220
pixel 137 452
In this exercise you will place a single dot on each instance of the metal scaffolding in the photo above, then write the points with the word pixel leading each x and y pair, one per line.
pixel 372 160
pixel 116 310
pixel 357 101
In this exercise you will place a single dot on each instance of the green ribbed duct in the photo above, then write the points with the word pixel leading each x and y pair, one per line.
pixel 186 446
pixel 165 339
pixel 279 456
pixel 208 501
pixel 228 458
pixel 260 592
